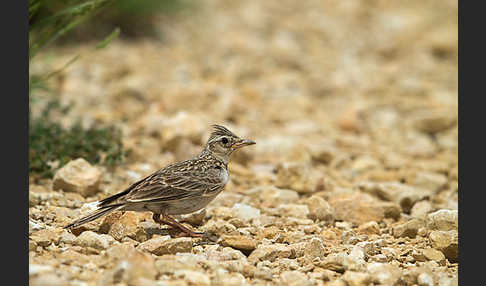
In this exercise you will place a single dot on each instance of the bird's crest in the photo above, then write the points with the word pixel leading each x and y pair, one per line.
pixel 219 130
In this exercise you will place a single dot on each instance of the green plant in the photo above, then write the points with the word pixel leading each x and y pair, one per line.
pixel 135 18
pixel 50 144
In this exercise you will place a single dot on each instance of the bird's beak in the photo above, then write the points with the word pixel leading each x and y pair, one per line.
pixel 241 143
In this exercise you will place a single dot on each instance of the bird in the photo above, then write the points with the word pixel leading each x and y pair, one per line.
pixel 180 188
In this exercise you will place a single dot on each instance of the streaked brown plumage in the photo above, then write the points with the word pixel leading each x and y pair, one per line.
pixel 179 188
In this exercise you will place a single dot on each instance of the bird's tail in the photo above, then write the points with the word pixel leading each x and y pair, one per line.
pixel 94 215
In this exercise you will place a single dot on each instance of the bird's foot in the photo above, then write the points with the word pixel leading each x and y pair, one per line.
pixel 178 229
pixel 178 232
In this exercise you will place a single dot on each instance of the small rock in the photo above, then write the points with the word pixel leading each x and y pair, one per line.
pixel 443 220
pixel 444 280
pixel 360 208
pixel 34 226
pixel 239 242
pixel 273 196
pixel 334 261
pixel 119 251
pixel 223 278
pixel 421 209
pixel 67 237
pixel 127 225
pixel 314 248
pixel 319 209
pixel 322 153
pixel 370 227
pixel 269 232
pixel 434 255
pixel 49 279
pixel 404 195
pixel 36 198
pixel 425 279
pixel 77 176
pixel 35 269
pixel 94 240
pixel 447 242
pixel 355 261
pixel 431 181
pixel 369 248
pixel 165 245
pixel 294 278
pixel 195 218
pixel 133 267
pixel 193 277
pixel 390 253
pixel 45 237
pixel 168 264
pixel 189 126
pixel 218 226
pixel 299 248
pixel 384 273
pixel 364 163
pixel 408 229
pixel 297 177
pixel 433 121
pixel 271 252
pixel 32 245
pixel 294 210
pixel 245 212
pixel 353 278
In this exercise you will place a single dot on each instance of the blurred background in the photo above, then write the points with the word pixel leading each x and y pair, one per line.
pixel 355 89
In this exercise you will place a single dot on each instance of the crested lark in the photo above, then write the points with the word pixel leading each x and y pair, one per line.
pixel 179 188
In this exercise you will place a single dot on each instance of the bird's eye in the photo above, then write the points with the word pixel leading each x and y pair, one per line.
pixel 224 140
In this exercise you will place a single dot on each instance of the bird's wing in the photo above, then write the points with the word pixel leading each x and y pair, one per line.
pixel 174 184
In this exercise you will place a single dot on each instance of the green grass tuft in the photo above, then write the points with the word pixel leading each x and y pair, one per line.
pixel 51 145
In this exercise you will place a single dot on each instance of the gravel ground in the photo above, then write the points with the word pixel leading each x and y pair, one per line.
pixel 354 177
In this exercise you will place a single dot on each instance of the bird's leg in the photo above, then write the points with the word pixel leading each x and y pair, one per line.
pixel 165 219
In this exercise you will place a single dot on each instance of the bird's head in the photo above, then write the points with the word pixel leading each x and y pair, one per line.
pixel 222 143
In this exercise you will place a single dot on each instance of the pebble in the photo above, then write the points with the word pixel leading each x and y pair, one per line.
pixel 319 209
pixel 271 252
pixel 384 273
pixel 408 229
pixel 443 220
pixel 434 255
pixel 421 209
pixel 447 242
pixel 127 225
pixel 361 208
pixel 165 245
pixel 49 279
pixel 94 240
pixel 297 278
pixel 296 176
pixel 245 212
pixel 434 121
pixel 133 267
pixel 370 227
pixel 78 176
pixel 239 242
pixel 294 210
pixel 273 196
pixel 193 277
pixel 425 279
pixel 353 278
pixel 404 195
pixel 314 248
pixel 45 237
